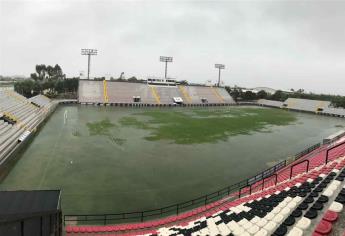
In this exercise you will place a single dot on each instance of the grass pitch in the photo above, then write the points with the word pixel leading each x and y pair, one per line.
pixel 112 159
pixel 206 126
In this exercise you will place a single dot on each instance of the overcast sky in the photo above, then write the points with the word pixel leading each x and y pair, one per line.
pixel 278 44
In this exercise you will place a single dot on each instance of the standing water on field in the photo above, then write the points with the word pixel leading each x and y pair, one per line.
pixel 111 159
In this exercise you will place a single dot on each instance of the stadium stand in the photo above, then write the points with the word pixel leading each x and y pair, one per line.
pixel 166 94
pixel 100 92
pixel 304 198
pixel 193 94
pixel 208 93
pixel 122 92
pixel 41 101
pixel 19 117
pixel 225 95
pixel 125 93
pixel 185 95
pixel 91 91
pixel 306 105
pixel 333 111
pixel 269 103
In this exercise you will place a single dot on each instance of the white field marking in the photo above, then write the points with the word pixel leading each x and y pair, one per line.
pixel 65 117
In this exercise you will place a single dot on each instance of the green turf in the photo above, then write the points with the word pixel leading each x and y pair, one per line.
pixel 205 126
pixel 100 127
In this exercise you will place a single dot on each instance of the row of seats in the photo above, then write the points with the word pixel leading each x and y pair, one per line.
pixel 123 92
pixel 270 103
pixel 17 115
pixel 273 210
pixel 287 209
pixel 306 104
pixel 40 100
pixel 321 107
pixel 334 111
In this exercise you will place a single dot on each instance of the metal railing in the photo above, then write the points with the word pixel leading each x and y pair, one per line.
pixel 228 191
pixel 296 164
pixel 330 149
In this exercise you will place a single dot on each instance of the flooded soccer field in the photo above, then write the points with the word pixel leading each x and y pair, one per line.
pixel 112 159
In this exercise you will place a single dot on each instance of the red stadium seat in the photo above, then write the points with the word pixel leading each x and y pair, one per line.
pixel 324 227
pixel 330 216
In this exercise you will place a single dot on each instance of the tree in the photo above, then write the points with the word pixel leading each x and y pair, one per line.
pixel 24 87
pixel 36 88
pixel 121 76
pixel 249 95
pixel 261 94
pixel 132 79
pixel 34 76
pixel 59 86
pixel 279 96
pixel 50 71
pixel 41 70
pixel 58 72
pixel 235 92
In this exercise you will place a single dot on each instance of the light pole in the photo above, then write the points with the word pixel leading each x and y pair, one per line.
pixel 166 60
pixel 89 53
pixel 219 67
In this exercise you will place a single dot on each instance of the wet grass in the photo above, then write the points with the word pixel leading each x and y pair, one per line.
pixel 206 126
pixel 104 128
pixel 100 127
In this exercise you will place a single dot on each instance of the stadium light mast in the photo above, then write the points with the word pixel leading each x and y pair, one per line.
pixel 219 67
pixel 89 53
pixel 166 60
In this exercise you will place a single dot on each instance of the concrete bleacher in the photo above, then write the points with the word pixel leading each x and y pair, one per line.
pixel 166 94
pixel 333 111
pixel 269 103
pixel 300 202
pixel 112 92
pixel 306 105
pixel 208 93
pixel 121 92
pixel 90 91
pixel 18 115
pixel 40 100
pixel 314 106
pixel 225 95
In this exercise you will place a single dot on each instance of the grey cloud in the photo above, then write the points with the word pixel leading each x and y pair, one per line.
pixel 280 44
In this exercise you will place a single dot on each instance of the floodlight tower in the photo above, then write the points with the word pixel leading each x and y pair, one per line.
pixel 89 53
pixel 166 60
pixel 219 67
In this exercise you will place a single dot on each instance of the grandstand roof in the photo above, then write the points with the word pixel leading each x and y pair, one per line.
pixel 14 203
